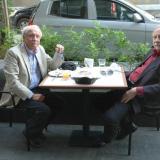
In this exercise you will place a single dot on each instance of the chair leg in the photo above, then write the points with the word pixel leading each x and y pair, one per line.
pixel 10 118
pixel 157 122
pixel 129 144
pixel 28 144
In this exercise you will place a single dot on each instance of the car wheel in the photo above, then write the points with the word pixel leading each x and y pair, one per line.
pixel 22 23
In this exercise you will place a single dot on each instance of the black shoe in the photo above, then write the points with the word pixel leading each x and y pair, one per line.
pixel 98 142
pixel 42 136
pixel 106 139
pixel 34 142
pixel 124 132
pixel 110 133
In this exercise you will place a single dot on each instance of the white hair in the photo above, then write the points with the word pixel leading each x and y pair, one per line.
pixel 29 28
pixel 156 29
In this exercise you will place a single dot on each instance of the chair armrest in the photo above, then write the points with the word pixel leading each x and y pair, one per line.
pixel 12 97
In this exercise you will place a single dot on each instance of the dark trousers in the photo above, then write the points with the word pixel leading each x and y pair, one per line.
pixel 38 114
pixel 116 115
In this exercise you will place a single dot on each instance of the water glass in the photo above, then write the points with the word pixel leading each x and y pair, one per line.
pixel 102 62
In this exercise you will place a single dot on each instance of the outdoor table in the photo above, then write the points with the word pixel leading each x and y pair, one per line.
pixel 104 83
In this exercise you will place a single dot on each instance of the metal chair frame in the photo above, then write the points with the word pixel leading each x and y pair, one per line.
pixel 10 109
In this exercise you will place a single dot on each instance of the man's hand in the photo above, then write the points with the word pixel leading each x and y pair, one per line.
pixel 128 95
pixel 59 48
pixel 38 97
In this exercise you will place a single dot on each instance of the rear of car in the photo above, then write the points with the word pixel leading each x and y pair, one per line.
pixel 21 17
pixel 116 14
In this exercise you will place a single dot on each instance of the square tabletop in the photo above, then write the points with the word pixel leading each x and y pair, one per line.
pixel 115 80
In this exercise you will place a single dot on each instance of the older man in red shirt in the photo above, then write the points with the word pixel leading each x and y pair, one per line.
pixel 144 88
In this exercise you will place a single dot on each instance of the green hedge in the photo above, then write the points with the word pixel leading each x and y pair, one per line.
pixel 94 43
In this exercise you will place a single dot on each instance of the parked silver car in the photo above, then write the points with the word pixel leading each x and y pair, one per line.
pixel 116 14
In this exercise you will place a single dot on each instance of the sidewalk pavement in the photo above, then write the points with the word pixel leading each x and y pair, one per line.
pixel 145 145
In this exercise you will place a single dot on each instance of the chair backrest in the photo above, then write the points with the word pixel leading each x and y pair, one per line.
pixel 2 79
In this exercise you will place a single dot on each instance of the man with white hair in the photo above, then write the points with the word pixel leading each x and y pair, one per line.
pixel 25 66
pixel 143 90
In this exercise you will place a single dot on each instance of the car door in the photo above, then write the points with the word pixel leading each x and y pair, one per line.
pixel 116 15
pixel 62 14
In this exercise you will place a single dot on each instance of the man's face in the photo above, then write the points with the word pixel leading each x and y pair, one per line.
pixel 32 39
pixel 156 39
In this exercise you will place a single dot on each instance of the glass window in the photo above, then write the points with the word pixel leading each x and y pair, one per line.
pixel 108 10
pixel 70 8
pixel 55 9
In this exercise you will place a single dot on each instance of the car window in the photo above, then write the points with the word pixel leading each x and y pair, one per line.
pixel 69 8
pixel 108 10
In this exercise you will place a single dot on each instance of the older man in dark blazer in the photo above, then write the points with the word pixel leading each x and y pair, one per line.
pixel 25 66
pixel 144 88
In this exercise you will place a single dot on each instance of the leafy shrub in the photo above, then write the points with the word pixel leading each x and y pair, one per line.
pixel 49 39
pixel 94 43
pixel 8 40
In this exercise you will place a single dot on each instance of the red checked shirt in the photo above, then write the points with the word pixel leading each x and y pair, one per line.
pixel 135 74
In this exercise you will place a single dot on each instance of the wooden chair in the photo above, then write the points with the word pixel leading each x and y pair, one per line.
pixel 10 109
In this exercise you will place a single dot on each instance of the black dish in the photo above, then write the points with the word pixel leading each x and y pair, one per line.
pixel 84 80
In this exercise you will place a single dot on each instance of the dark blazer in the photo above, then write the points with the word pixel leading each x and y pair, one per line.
pixel 150 80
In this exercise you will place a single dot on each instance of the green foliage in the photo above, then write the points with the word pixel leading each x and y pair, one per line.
pixel 49 39
pixel 101 43
pixel 92 43
pixel 134 52
pixel 9 39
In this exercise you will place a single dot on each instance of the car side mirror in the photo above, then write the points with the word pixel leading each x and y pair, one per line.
pixel 137 18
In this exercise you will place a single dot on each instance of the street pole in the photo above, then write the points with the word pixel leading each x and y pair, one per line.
pixel 5 12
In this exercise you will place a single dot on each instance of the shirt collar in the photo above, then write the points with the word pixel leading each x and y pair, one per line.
pixel 29 51
pixel 155 52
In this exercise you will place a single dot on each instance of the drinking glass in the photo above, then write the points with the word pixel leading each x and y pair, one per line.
pixel 102 62
pixel 89 62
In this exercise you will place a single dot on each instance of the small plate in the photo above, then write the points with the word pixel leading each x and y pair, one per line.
pixel 55 73
pixel 58 73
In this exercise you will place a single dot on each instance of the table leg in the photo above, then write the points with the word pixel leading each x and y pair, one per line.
pixel 85 137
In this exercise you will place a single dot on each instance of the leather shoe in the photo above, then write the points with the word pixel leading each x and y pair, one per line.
pixel 34 142
pixel 42 136
pixel 98 142
pixel 110 133
pixel 37 143
pixel 124 132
